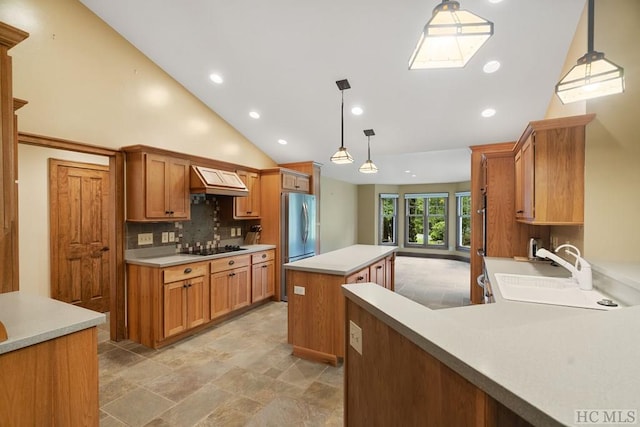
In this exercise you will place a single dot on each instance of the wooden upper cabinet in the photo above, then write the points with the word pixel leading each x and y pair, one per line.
pixel 157 187
pixel 248 207
pixel 295 182
pixel 549 171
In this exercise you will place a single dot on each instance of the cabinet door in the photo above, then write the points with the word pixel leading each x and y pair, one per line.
pixel 239 287
pixel 262 281
pixel 219 294
pixel 178 185
pixel 166 187
pixel 156 197
pixel 389 271
pixel 528 178
pixel 359 276
pixel 248 207
pixel 175 306
pixel 377 273
pixel 519 181
pixel 302 183
pixel 288 181
pixel 195 292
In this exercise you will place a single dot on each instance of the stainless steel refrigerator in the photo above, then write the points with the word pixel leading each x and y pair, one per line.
pixel 299 230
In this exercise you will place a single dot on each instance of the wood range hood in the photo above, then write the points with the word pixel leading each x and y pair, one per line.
pixel 206 180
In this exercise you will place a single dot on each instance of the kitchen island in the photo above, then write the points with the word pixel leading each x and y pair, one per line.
pixel 49 363
pixel 316 304
pixel 508 363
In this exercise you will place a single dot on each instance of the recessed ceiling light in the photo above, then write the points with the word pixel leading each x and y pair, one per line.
pixel 407 171
pixel 491 67
pixel 254 114
pixel 413 176
pixel 357 111
pixel 495 1
pixel 282 142
pixel 488 112
pixel 216 78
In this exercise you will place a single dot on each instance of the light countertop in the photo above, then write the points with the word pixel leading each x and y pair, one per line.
pixel 342 262
pixel 161 260
pixel 544 362
pixel 32 319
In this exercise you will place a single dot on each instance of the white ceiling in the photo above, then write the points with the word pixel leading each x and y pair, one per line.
pixel 283 57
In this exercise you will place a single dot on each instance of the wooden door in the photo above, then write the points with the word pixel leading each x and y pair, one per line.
pixel 79 222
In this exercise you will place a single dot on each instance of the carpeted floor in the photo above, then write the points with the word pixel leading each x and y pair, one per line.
pixel 435 283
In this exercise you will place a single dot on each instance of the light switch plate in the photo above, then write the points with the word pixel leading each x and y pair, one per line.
pixel 165 237
pixel 233 232
pixel 239 232
pixel 145 239
pixel 172 236
pixel 355 336
pixel 299 290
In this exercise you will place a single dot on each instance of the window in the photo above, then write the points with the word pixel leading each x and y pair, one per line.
pixel 463 216
pixel 388 219
pixel 426 224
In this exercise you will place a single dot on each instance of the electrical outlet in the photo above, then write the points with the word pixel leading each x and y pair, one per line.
pixel 233 232
pixel 355 336
pixel 165 237
pixel 145 239
pixel 172 236
pixel 299 290
pixel 239 232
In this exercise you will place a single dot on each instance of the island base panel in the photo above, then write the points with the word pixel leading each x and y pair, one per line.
pixel 395 382
pixel 316 356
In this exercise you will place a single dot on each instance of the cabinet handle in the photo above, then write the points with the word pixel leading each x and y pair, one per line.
pixel 264 266
pixel 168 212
pixel 232 274
pixel 249 212
pixel 232 262
pixel 378 267
pixel 480 252
pixel 187 270
pixel 184 286
pixel 519 211
pixel 359 278
pixel 106 248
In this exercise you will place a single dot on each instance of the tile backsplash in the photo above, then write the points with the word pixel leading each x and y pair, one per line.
pixel 211 220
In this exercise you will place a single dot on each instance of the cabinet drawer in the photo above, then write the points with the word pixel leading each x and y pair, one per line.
pixel 229 263
pixel 261 257
pixel 183 272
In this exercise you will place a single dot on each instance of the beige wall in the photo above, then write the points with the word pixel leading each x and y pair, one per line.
pixel 338 214
pixel 612 171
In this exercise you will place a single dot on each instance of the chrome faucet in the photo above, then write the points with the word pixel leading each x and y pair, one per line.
pixel 580 271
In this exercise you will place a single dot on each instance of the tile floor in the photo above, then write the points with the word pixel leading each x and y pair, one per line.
pixel 241 372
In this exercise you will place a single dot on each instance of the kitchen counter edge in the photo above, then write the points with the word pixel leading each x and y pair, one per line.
pixel 32 319
pixel 337 262
pixel 171 260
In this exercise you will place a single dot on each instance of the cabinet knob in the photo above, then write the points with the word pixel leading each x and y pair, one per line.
pixel 232 274
pixel 264 255
pixel 187 270
pixel 360 278
pixel 184 286
pixel 264 266
pixel 231 262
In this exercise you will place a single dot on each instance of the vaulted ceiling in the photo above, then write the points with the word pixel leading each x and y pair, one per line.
pixel 282 58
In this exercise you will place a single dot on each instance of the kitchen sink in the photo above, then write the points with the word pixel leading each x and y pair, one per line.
pixel 550 290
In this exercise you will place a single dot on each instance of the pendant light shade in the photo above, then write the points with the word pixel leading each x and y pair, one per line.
pixel 368 166
pixel 450 38
pixel 342 156
pixel 593 76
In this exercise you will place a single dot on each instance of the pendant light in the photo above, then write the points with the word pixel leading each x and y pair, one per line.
pixel 593 76
pixel 342 156
pixel 368 166
pixel 450 38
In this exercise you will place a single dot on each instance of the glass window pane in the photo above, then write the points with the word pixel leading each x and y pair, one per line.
pixel 437 230
pixel 436 205
pixel 416 230
pixel 466 232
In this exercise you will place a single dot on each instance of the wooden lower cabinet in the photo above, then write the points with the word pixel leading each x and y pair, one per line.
pixel 361 276
pixel 396 383
pixel 230 284
pixel 184 305
pixel 53 383
pixel 262 276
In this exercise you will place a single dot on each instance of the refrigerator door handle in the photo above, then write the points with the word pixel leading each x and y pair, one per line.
pixel 305 217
